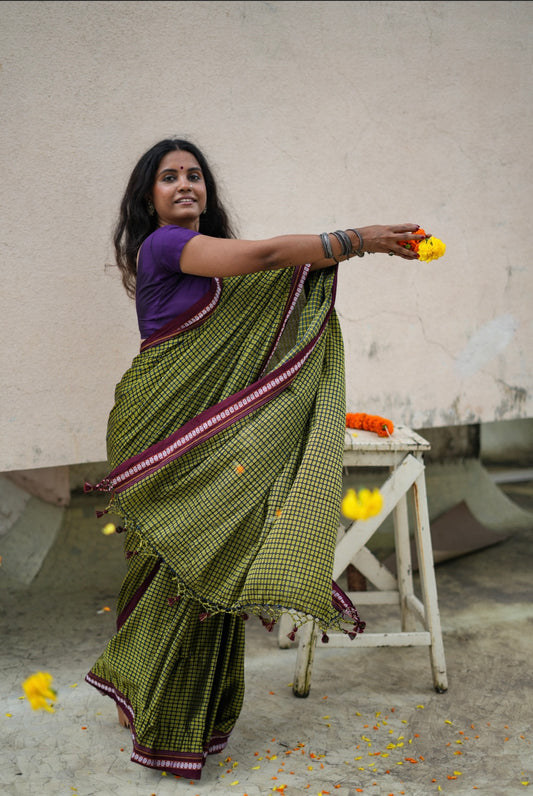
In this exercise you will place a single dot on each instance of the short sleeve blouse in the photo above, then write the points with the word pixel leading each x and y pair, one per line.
pixel 162 290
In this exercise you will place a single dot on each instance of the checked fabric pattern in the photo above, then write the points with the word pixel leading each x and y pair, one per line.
pixel 244 522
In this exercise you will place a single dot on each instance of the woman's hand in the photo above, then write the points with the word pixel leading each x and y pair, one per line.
pixel 386 239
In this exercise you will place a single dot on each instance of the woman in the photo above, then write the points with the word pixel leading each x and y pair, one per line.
pixel 225 443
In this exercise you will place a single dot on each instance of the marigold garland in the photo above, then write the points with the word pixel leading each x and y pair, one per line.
pixel 430 248
pixel 379 425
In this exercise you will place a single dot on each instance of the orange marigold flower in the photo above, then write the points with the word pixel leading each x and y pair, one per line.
pixel 413 244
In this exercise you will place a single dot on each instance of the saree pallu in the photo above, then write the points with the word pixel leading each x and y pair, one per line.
pixel 225 442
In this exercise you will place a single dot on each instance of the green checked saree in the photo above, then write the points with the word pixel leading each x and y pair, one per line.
pixel 226 443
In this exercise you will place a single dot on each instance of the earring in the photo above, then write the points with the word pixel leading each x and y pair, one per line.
pixel 204 211
pixel 150 206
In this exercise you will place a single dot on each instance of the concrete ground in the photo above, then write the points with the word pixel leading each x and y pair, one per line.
pixel 372 724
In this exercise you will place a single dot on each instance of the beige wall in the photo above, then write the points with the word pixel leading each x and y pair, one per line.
pixel 316 115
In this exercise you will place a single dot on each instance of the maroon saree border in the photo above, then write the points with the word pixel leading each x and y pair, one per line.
pixel 202 427
pixel 125 613
pixel 184 764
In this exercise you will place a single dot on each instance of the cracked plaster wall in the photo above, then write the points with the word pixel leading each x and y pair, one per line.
pixel 316 115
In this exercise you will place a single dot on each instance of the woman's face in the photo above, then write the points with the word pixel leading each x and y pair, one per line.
pixel 179 193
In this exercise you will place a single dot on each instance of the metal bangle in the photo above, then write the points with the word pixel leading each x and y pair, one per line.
pixel 358 251
pixel 332 255
pixel 345 242
pixel 326 245
pixel 342 252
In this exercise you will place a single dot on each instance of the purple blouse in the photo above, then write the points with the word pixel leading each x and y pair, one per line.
pixel 162 291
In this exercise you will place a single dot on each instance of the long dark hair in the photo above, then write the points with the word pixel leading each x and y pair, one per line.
pixel 135 223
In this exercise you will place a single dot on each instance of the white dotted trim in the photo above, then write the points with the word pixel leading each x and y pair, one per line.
pixel 156 762
pixel 206 309
pixel 303 277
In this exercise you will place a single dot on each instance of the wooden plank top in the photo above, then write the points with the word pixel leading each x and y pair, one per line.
pixel 402 438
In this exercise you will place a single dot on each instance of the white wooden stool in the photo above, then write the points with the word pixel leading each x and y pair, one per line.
pixel 402 453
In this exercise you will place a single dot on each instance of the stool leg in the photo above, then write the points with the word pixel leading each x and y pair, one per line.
pixel 428 584
pixel 404 565
pixel 308 636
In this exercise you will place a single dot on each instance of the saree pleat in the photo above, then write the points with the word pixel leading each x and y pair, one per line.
pixel 226 443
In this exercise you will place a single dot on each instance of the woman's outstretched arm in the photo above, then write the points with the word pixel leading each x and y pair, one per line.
pixel 207 256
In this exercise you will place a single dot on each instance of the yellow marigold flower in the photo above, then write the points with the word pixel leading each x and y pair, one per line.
pixel 361 506
pixel 108 529
pixel 431 249
pixel 37 689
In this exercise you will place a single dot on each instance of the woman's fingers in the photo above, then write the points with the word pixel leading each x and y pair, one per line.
pixel 388 239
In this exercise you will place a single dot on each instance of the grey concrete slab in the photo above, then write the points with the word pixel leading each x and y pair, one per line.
pixel 28 529
pixel 372 724
pixel 13 501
